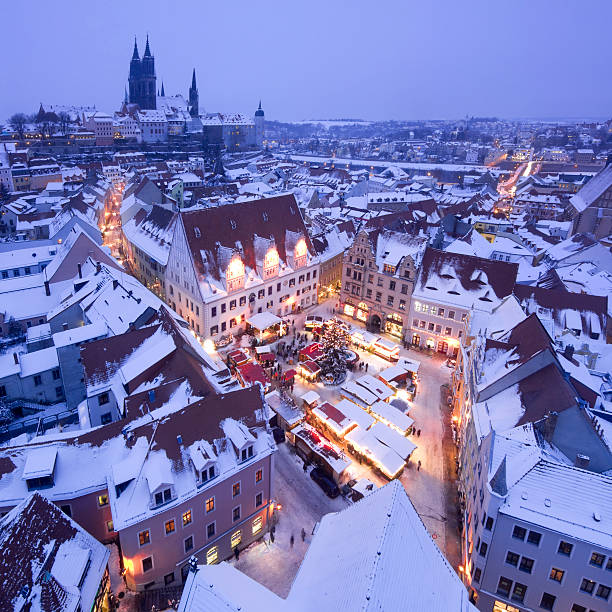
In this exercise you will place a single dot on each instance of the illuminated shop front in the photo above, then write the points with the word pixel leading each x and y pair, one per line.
pixel 362 312
pixel 394 325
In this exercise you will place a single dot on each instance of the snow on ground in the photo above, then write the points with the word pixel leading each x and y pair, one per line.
pixel 432 489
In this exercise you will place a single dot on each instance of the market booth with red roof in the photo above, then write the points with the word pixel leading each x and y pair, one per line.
pixel 312 352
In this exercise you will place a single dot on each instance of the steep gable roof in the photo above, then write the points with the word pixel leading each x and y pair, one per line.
pixel 212 231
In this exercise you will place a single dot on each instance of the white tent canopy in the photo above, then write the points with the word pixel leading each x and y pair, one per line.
pixel 263 320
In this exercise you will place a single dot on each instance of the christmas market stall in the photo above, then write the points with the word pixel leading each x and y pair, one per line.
pixel 287 414
pixel 311 352
pixel 376 387
pixel 237 358
pixel 391 417
pixel 265 356
pixel 309 370
pixel 368 446
pixel 386 349
pixel 389 437
pixel 312 447
pixel 358 394
pixel 250 373
pixel 266 326
pixel 310 399
pixel 333 419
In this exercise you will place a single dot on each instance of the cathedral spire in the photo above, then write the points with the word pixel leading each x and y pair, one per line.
pixel 125 97
pixel 147 52
pixel 193 80
pixel 162 90
pixel 135 55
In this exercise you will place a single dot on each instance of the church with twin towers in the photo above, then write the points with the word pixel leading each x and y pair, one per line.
pixel 237 129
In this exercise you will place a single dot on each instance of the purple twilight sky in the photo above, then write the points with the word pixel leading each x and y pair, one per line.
pixel 393 59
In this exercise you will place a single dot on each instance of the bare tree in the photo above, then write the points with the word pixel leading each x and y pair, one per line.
pixel 18 122
pixel 64 122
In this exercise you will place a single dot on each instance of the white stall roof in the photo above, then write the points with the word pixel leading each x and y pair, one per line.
pixel 361 394
pixel 310 397
pixel 263 320
pixel 375 386
pixel 385 457
pixel 409 364
pixel 393 415
pixel 357 414
pixel 389 374
pixel 401 445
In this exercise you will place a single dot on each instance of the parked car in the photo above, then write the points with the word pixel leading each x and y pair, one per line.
pixel 313 321
pixel 325 482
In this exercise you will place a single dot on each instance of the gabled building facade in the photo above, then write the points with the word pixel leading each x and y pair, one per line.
pixel 230 262
pixel 380 269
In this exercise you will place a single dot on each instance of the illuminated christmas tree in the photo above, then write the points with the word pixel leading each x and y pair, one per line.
pixel 334 343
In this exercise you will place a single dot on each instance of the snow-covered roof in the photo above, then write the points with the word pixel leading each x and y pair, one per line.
pixel 592 190
pixel 372 556
pixel 386 561
pixel 47 557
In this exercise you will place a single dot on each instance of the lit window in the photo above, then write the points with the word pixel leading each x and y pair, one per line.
pixel 236 538
pixel 257 524
pixel 144 537
pixel 210 504
pixel 186 518
pixel 103 500
pixel 169 526
pixel 212 555
pixel 259 475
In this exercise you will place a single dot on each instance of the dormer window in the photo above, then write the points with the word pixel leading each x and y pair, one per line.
pixel 300 252
pixel 163 497
pixel 247 453
pixel 235 274
pixel 208 474
pixel 270 264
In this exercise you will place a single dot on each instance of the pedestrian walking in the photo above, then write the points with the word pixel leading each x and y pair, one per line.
pixel 419 433
pixel 291 540
pixel 236 553
pixel 303 535
pixel 418 470
pixel 366 367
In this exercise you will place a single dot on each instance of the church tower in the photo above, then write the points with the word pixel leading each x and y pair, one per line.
pixel 142 78
pixel 134 78
pixel 259 126
pixel 148 80
pixel 194 98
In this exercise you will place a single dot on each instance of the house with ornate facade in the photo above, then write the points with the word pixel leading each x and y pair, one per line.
pixel 380 269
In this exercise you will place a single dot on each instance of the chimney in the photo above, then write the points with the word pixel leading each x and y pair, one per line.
pixel 16 358
pixel 582 461
pixel 568 352
pixel 152 395
pixel 80 271
pixel 47 289
pixel 179 439
pixel 98 267
pixel 115 283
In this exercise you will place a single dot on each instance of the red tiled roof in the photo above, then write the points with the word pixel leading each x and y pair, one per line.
pixel 237 225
